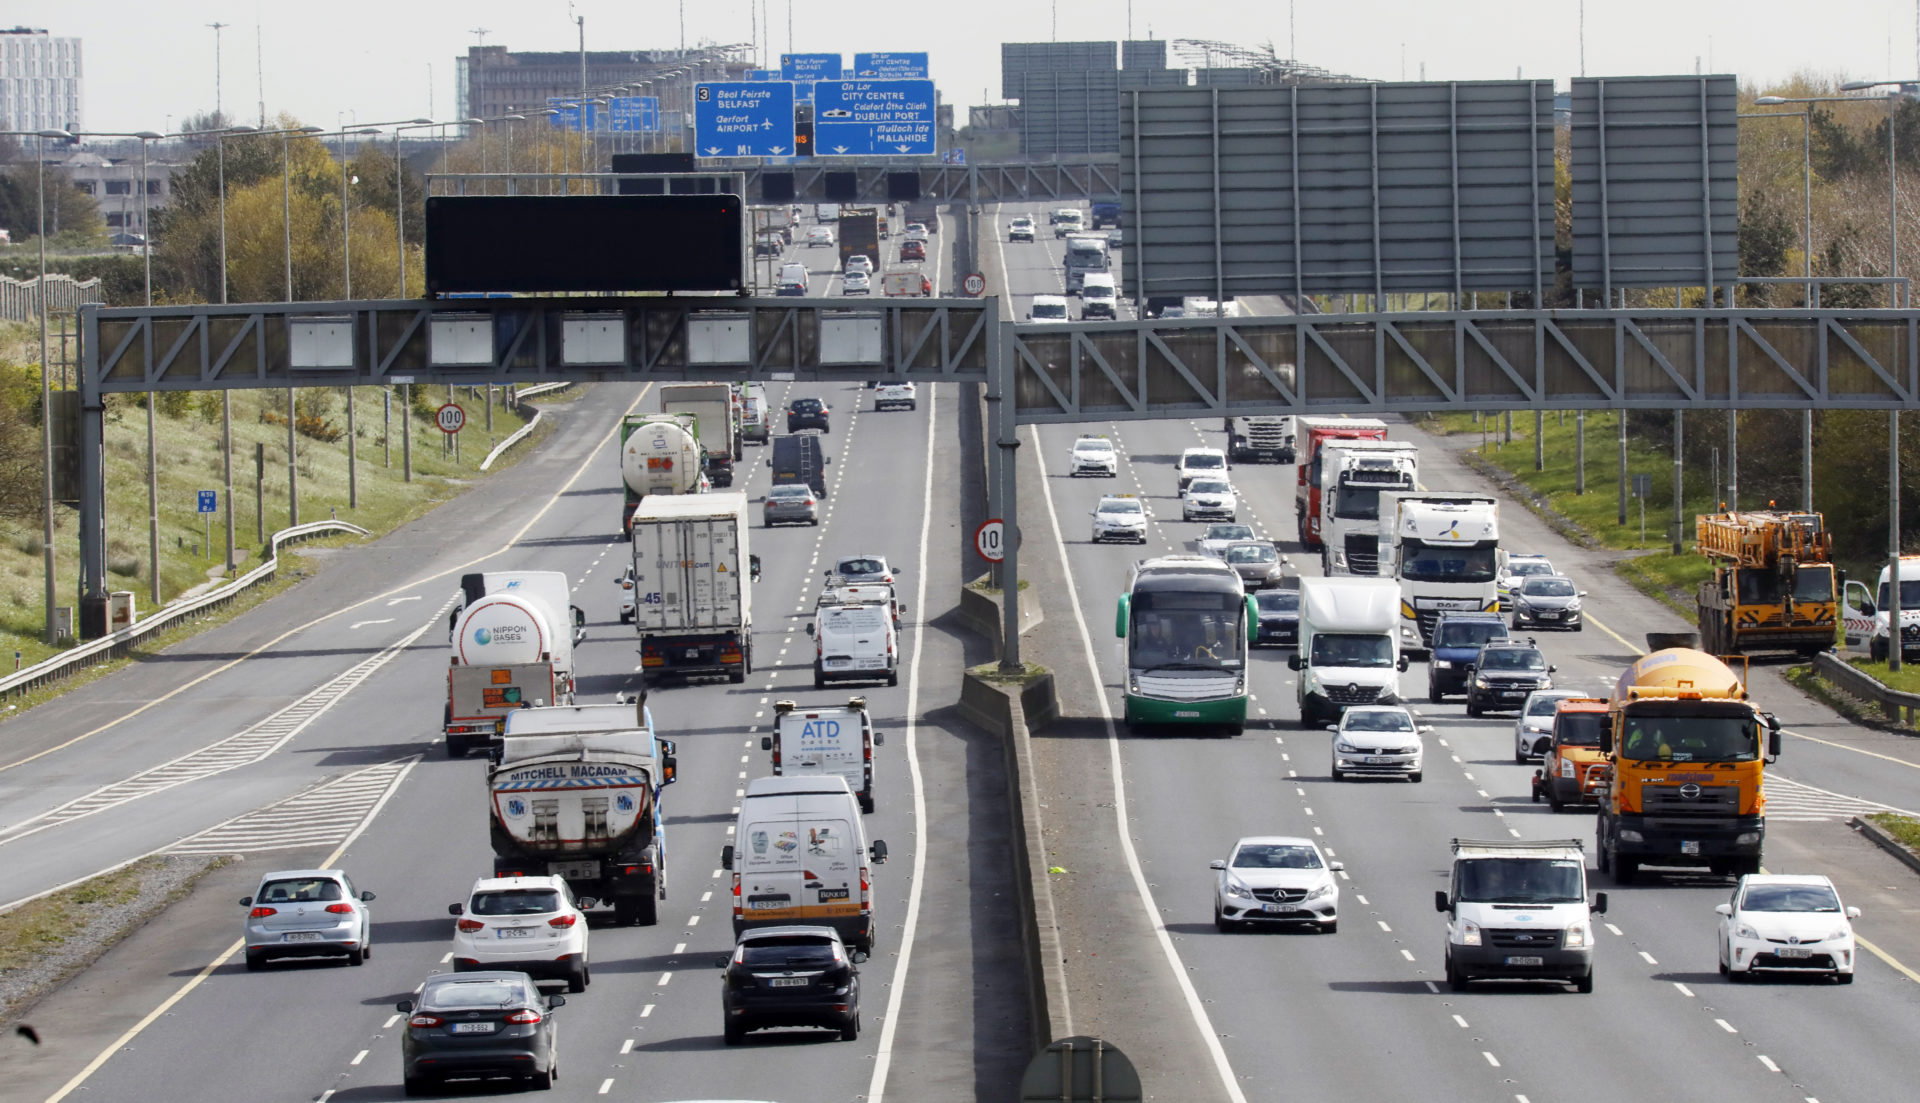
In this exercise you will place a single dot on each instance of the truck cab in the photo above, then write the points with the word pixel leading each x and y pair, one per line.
pixel 1355 474
pixel 1518 911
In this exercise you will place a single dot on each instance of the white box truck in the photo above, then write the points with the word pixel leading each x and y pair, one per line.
pixel 1443 551
pixel 800 856
pixel 1354 476
pixel 575 794
pixel 692 585
pixel 713 406
pixel 513 635
pixel 825 739
pixel 1349 653
pixel 1518 911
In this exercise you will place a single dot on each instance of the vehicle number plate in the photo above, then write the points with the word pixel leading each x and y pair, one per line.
pixel 1279 909
pixel 1379 760
pixel 576 871
pixel 1793 951
pixel 788 982
pixel 693 652
pixel 301 936
pixel 1186 714
pixel 473 1028
pixel 1526 961
pixel 836 664
pixel 782 902
pixel 1690 847
pixel 513 932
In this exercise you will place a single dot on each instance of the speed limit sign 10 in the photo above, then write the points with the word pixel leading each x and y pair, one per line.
pixel 989 539
pixel 450 418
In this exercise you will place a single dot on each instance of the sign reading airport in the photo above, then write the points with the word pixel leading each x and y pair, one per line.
pixel 742 119
pixel 889 66
pixel 864 118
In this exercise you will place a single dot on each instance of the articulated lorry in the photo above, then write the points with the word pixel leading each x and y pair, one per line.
pixel 1686 756
pixel 1773 585
pixel 1260 439
pixel 1084 253
pixel 1314 432
pixel 1354 474
pixel 513 635
pixel 692 586
pixel 575 793
pixel 659 454
pixel 1443 551
pixel 716 414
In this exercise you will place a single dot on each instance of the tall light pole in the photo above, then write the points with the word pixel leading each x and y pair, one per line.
pixel 226 396
pixel 346 292
pixel 286 229
pixel 399 229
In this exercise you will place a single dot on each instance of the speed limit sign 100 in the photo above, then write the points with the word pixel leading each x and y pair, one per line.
pixel 989 539
pixel 450 418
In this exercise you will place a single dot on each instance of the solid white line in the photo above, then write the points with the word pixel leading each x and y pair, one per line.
pixel 883 1058
pixel 1229 1081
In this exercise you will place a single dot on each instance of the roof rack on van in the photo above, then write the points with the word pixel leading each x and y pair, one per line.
pixel 1516 844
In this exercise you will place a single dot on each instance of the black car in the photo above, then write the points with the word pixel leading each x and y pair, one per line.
pixel 807 413
pixel 490 1024
pixel 1503 674
pixel 1279 618
pixel 791 976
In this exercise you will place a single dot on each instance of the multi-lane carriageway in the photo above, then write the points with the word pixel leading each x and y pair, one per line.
pixel 304 732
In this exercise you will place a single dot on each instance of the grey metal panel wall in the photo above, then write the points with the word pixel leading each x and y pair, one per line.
pixel 1153 78
pixel 1020 58
pixel 1234 76
pixel 1070 112
pixel 1656 195
pixel 1327 189
pixel 1144 54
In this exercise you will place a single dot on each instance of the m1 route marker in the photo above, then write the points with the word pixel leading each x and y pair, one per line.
pixel 987 540
pixel 450 418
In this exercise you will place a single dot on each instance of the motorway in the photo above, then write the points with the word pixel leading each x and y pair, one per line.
pixel 1358 1015
pixel 303 733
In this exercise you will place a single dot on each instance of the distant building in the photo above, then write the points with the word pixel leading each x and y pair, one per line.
pixel 39 81
pixel 494 81
pixel 113 180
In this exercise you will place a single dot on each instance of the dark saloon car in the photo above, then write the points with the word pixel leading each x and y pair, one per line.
pixel 479 1025
pixel 807 413
pixel 1504 674
pixel 791 976
pixel 1279 618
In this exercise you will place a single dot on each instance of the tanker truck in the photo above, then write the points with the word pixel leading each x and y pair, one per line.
pixel 513 634
pixel 717 423
pixel 575 793
pixel 659 454
pixel 1684 758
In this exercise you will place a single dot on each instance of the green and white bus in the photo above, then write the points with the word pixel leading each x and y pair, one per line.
pixel 1187 621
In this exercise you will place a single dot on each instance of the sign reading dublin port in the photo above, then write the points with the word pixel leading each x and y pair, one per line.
pixel 889 66
pixel 741 119
pixel 865 118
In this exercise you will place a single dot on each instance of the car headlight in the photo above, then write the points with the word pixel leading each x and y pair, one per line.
pixel 1573 606
pixel 1745 930
pixel 1578 936
pixel 1442 664
pixel 1340 744
pixel 1321 892
pixel 1480 683
pixel 1236 887
pixel 1838 934
pixel 1469 933
pixel 1566 767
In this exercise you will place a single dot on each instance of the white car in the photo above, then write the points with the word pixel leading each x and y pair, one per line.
pixel 527 924
pixel 819 235
pixel 853 570
pixel 1195 462
pixel 860 262
pixel 915 231
pixel 890 395
pixel 1276 879
pixel 1214 541
pixel 1209 500
pixel 1379 740
pixel 1787 923
pixel 1535 722
pixel 856 283
pixel 1048 308
pixel 1093 456
pixel 1517 568
pixel 1120 517
pixel 1020 229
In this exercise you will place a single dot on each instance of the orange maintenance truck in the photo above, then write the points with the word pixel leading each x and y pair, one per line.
pixel 1773 586
pixel 1572 767
pixel 1685 757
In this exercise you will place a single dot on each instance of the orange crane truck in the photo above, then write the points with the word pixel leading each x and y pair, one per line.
pixel 1773 587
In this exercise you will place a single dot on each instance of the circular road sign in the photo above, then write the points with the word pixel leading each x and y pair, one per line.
pixel 975 285
pixel 450 418
pixel 989 539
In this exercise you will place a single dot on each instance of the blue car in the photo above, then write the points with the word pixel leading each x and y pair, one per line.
pixel 1457 639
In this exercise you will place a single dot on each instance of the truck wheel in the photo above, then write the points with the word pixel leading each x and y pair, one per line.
pixel 866 803
pixel 737 676
pixel 1585 982
pixel 456 746
pixel 635 911
pixel 1625 869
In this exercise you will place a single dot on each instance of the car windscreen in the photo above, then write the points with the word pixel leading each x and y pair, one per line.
pixel 1204 461
pixel 1276 856
pixel 302 890
pixel 1050 310
pixel 1579 729
pixel 1519 880
pixel 516 902
pixel 1367 720
pixel 1092 447
pixel 1209 486
pixel 1511 658
pixel 805 405
pixel 1422 562
pixel 1543 704
pixel 474 993
pixel 859 566
pixel 1471 633
pixel 1527 567
pixel 1119 507
pixel 1547 587
pixel 789 951
pixel 1278 601
pixel 1678 733
pixel 1228 532
pixel 790 491
pixel 1344 649
pixel 1258 553
pixel 1790 898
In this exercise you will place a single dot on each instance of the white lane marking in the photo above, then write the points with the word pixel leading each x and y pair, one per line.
pixel 1648 957
pixel 626 1046
pixel 1491 1059
pixel 679 947
pixel 359 1057
pixel 1383 925
pixel 706 896
pixel 388 1025
pixel 1462 1022
pixel 1406 953
pixel 398 600
pixel 359 624
pixel 1434 988
pixel 693 921
pixel 1208 1035
pixel 447 958
pixel 1726 1026
pixel 883 1058
pixel 606 1085
pixel 1362 899
pixel 645 1011
pixel 665 979
pixel 1684 990
pixel 1768 1061
pixel 1614 929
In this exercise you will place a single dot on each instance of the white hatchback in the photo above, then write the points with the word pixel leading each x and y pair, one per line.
pixel 819 235
pixel 1276 879
pixel 1380 740
pixel 1785 923
pixel 528 924
pixel 1208 499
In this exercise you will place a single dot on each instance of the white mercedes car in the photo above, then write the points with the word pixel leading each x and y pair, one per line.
pixel 1276 879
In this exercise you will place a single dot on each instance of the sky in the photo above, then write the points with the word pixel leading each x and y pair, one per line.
pixel 148 65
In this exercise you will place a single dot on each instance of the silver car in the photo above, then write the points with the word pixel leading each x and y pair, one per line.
pixel 1547 601
pixel 790 504
pixel 1257 563
pixel 307 913
pixel 1533 728
pixel 1276 879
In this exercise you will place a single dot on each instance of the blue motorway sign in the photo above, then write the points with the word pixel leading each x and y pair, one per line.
pixel 889 66
pixel 763 74
pixel 863 118
pixel 743 119
pixel 621 113
pixel 810 67
pixel 209 500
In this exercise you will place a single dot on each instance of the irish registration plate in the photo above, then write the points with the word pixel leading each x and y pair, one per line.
pixel 301 936
pixel 780 902
pixel 1793 951
pixel 473 1028
pixel 788 982
pixel 1526 961
pixel 1186 714
pixel 1279 909
pixel 513 932
pixel 1379 760
pixel 1690 847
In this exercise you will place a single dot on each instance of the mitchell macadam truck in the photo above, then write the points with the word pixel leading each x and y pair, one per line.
pixel 659 454
pixel 1314 432
pixel 1686 756
pixel 1356 476
pixel 575 793
pixel 513 635
pixel 1443 551
pixel 692 586
pixel 717 423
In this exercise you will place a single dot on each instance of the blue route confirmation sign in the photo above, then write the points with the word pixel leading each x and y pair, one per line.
pixel 804 68
pixel 743 119
pixel 889 66
pixel 863 118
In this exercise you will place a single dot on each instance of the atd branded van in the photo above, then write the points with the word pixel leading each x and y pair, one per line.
pixel 825 739
pixel 800 856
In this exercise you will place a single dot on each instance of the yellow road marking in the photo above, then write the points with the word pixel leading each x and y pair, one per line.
pixel 1888 958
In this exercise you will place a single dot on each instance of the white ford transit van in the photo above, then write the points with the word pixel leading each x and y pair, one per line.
pixel 800 856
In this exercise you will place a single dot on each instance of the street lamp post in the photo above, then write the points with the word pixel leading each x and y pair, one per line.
pixel 399 217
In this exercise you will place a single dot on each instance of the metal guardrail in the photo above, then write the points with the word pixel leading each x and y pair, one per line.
pixel 521 433
pixel 20 299
pixel 116 644
pixel 1898 707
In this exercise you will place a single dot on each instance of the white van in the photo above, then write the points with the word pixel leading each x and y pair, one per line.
pixel 1349 647
pixel 825 739
pixel 1098 297
pixel 855 639
pixel 800 856
pixel 1048 308
pixel 1518 910
pixel 827 212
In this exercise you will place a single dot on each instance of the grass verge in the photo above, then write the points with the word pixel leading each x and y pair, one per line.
pixel 1904 829
pixel 990 672
pixel 1865 713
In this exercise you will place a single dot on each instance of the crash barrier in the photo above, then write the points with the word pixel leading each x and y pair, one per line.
pixel 20 299
pixel 521 433
pixel 1902 709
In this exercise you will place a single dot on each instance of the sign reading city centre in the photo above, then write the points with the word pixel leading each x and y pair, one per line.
pixel 863 118
pixel 742 119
